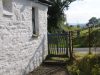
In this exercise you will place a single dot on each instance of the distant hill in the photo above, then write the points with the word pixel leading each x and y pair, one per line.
pixel 81 24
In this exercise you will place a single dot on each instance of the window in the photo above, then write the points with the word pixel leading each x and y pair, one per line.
pixel 35 33
pixel 7 7
pixel 33 20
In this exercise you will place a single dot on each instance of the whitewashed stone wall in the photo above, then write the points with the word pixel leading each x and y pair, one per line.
pixel 20 53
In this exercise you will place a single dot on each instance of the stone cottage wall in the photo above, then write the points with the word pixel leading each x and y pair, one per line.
pixel 20 53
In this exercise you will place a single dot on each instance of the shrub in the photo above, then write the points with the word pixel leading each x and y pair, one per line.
pixel 88 65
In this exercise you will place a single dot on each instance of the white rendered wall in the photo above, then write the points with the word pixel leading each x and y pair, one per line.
pixel 20 53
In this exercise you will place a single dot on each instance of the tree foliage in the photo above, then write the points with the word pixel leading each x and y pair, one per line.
pixel 56 16
pixel 93 32
pixel 93 22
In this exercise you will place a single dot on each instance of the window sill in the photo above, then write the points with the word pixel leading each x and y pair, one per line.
pixel 7 13
pixel 35 35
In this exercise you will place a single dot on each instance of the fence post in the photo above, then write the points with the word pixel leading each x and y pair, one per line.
pixel 89 40
pixel 57 43
pixel 72 41
pixel 67 44
pixel 48 44
pixel 70 45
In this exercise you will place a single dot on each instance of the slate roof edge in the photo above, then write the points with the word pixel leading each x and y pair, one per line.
pixel 46 3
pixel 43 3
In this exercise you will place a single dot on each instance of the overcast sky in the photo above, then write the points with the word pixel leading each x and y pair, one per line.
pixel 81 11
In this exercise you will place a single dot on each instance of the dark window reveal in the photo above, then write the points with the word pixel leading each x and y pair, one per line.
pixel 7 5
pixel 33 21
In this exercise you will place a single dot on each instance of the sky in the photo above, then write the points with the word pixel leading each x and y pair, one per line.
pixel 81 11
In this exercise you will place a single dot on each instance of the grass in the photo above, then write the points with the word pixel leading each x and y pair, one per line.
pixel 86 65
pixel 66 28
pixel 84 32
pixel 82 40
pixel 59 58
pixel 79 56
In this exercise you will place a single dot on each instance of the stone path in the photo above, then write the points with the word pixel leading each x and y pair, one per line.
pixel 52 66
pixel 49 70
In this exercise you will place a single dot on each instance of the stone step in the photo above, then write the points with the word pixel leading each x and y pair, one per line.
pixel 56 60
pixel 53 62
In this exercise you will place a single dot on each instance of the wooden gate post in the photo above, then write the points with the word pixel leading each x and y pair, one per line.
pixel 48 45
pixel 72 41
pixel 70 45
pixel 67 39
pixel 89 38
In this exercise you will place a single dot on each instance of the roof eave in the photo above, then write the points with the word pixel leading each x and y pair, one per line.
pixel 46 4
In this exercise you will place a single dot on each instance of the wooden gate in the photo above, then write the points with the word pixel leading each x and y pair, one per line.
pixel 58 44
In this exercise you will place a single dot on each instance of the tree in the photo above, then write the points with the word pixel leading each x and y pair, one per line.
pixel 96 38
pixel 91 37
pixel 98 24
pixel 93 21
pixel 56 16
